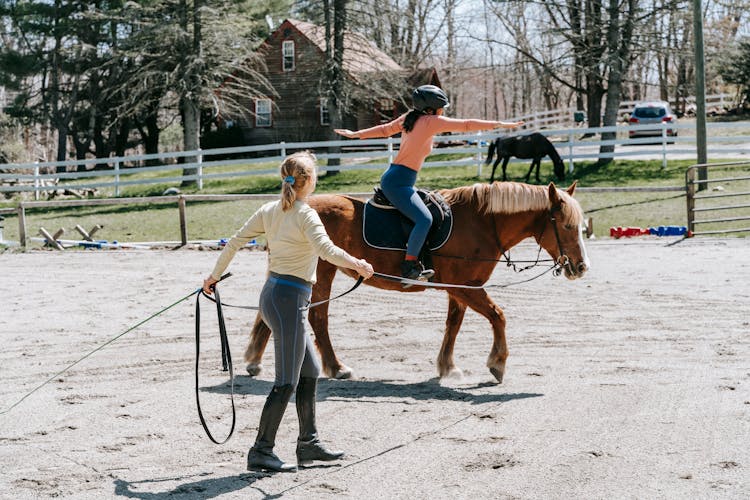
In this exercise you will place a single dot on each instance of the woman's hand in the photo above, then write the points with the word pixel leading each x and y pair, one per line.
pixel 208 284
pixel 346 133
pixel 509 124
pixel 364 268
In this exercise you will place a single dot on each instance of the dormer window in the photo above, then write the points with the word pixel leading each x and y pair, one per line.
pixel 287 49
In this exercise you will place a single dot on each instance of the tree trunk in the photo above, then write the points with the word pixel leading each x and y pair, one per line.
pixel 619 35
pixel 190 135
pixel 336 77
pixel 190 101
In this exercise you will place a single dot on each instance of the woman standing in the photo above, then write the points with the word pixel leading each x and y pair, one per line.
pixel 296 238
pixel 418 126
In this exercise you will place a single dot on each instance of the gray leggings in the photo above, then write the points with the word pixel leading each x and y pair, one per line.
pixel 280 303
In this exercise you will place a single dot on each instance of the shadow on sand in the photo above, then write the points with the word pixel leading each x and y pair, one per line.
pixel 211 487
pixel 353 390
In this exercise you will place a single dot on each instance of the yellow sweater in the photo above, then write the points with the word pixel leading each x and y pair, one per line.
pixel 296 238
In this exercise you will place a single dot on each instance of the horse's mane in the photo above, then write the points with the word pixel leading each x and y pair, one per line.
pixel 511 197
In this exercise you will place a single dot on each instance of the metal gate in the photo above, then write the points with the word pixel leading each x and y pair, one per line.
pixel 722 200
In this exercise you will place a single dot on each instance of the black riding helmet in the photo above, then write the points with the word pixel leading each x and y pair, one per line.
pixel 429 96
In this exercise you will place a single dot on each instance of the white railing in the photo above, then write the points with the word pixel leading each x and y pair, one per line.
pixel 564 117
pixel 726 140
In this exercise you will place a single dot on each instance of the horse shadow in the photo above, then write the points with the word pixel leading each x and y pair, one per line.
pixel 365 390
pixel 203 489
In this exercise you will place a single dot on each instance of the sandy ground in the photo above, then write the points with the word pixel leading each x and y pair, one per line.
pixel 633 382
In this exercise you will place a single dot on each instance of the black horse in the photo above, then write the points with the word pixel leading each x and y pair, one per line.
pixel 534 146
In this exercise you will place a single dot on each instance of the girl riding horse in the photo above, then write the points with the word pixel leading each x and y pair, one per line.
pixel 418 127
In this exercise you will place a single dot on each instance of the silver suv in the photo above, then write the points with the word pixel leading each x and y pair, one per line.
pixel 646 113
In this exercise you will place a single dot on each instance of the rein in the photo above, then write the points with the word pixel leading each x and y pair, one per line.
pixel 226 357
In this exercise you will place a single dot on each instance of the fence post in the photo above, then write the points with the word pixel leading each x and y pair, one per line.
pixel 283 149
pixel 390 150
pixel 479 154
pixel 183 219
pixel 117 178
pixel 199 157
pixel 570 152
pixel 690 197
pixel 663 145
pixel 22 224
pixel 36 180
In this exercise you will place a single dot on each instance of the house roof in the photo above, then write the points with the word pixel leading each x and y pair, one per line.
pixel 360 54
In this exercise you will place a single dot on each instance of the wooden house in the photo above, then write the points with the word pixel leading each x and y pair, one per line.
pixel 295 60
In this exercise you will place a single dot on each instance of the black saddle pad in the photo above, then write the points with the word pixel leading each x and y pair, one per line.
pixel 386 228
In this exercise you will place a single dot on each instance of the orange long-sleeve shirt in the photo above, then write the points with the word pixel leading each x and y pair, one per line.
pixel 417 144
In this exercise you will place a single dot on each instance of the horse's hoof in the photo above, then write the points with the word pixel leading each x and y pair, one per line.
pixel 454 373
pixel 343 373
pixel 498 374
pixel 253 369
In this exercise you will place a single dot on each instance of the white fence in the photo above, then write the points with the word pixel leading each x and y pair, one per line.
pixel 726 140
pixel 564 117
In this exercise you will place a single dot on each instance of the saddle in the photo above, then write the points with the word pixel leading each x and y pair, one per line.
pixel 386 228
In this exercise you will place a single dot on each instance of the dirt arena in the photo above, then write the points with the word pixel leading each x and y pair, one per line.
pixel 633 382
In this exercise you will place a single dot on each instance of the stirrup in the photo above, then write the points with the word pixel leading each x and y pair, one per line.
pixel 414 270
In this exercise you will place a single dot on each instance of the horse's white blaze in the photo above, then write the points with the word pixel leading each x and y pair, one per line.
pixel 583 247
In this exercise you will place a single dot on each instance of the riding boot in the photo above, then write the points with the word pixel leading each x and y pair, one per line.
pixel 261 456
pixel 309 447
pixel 414 270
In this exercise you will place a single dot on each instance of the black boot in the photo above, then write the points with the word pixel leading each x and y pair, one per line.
pixel 413 270
pixel 309 447
pixel 261 456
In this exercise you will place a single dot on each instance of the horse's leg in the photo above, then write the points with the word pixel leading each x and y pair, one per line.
pixel 258 340
pixel 538 162
pixel 505 165
pixel 445 364
pixel 528 174
pixel 494 167
pixel 483 304
pixel 318 317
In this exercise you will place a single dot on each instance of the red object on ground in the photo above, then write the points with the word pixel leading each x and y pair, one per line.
pixel 619 232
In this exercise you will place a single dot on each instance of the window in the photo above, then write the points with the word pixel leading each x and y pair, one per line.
pixel 325 114
pixel 386 109
pixel 263 112
pixel 287 49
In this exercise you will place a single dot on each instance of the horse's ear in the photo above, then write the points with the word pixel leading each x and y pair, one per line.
pixel 554 197
pixel 572 188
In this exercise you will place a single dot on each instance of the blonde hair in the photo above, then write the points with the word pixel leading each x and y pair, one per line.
pixel 296 171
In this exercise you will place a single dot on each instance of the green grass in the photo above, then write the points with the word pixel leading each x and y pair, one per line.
pixel 213 220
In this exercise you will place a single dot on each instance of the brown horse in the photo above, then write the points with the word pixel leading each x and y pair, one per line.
pixel 489 219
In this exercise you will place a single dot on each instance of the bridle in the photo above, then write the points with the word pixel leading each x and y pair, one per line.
pixel 562 261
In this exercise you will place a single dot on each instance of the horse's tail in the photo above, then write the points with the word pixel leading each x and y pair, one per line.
pixel 491 151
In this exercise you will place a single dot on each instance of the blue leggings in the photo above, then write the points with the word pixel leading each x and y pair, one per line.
pixel 294 353
pixel 398 185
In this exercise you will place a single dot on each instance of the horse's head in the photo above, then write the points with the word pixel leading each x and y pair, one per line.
pixel 559 167
pixel 562 236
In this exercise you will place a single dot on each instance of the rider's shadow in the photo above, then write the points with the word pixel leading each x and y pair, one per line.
pixel 352 390
pixel 205 488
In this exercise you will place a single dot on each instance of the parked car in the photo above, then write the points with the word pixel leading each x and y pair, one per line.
pixel 646 113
